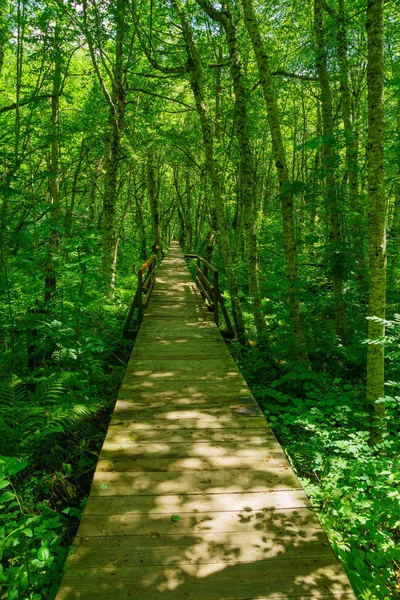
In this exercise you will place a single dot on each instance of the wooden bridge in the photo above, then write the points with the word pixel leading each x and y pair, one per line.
pixel 193 497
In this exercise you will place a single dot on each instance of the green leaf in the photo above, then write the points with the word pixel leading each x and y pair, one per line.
pixel 43 553
pixel 14 466
pixel 175 518
pixel 7 496
pixel 103 485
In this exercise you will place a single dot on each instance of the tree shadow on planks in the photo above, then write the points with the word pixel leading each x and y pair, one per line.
pixel 194 498
pixel 277 554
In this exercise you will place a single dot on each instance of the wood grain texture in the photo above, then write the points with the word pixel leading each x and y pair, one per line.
pixel 193 497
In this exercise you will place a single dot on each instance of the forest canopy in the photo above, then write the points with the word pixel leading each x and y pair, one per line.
pixel 265 137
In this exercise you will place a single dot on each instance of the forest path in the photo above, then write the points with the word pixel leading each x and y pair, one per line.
pixel 193 496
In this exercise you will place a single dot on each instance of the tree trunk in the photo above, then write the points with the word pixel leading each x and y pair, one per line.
pixel 278 149
pixel 53 246
pixel 395 226
pixel 248 187
pixel 351 142
pixel 3 30
pixel 152 194
pixel 377 215
pixel 111 162
pixel 197 85
pixel 116 101
pixel 189 226
pixel 330 160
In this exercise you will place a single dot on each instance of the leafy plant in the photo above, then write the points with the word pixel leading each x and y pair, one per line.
pixel 31 550
pixel 29 420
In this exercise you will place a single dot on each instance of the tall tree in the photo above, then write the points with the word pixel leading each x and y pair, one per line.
pixel 196 80
pixel 53 167
pixel 330 162
pixel 152 195
pixel 289 239
pixel 116 100
pixel 246 159
pixel 376 215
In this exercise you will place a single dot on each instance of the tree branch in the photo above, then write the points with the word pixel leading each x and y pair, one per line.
pixel 14 105
pixel 295 75
pixel 135 89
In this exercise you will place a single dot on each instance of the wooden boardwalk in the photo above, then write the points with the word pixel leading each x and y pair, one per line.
pixel 193 497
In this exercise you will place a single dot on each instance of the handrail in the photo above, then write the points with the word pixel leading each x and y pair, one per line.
pixel 144 286
pixel 211 293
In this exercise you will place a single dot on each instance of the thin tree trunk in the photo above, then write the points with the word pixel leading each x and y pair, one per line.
pixel 351 142
pixel 152 194
pixel 395 227
pixel 112 153
pixel 330 159
pixel 289 239
pixel 53 247
pixel 4 8
pixel 348 119
pixel 376 214
pixel 70 209
pixel 139 198
pixel 248 188
pixel 189 226
pixel 197 85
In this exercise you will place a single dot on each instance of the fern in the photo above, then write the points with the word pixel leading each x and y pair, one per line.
pixel 29 421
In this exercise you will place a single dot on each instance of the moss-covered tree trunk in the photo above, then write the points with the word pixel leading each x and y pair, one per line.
pixel 197 85
pixel 351 143
pixel 330 161
pixel 247 172
pixel 4 8
pixel 395 225
pixel 53 246
pixel 283 177
pixel 153 200
pixel 116 100
pixel 112 154
pixel 376 214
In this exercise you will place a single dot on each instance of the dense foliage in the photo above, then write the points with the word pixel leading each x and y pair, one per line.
pixel 247 131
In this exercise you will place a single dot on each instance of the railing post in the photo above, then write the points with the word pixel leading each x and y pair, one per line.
pixel 216 297
pixel 140 296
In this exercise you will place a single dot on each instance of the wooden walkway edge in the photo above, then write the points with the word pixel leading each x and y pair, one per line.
pixel 193 497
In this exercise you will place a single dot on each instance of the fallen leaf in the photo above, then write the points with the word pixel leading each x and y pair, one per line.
pixel 175 518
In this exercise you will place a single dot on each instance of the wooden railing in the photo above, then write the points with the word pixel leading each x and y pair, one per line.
pixel 146 281
pixel 210 292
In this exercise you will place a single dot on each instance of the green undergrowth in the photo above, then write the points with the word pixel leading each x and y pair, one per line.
pixel 52 424
pixel 321 421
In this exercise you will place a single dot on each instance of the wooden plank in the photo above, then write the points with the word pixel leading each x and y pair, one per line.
pixel 191 310
pixel 221 422
pixel 170 401
pixel 269 578
pixel 256 448
pixel 223 364
pixel 174 395
pixel 188 436
pixel 130 551
pixel 211 463
pixel 170 504
pixel 184 387
pixel 296 521
pixel 129 410
pixel 216 482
